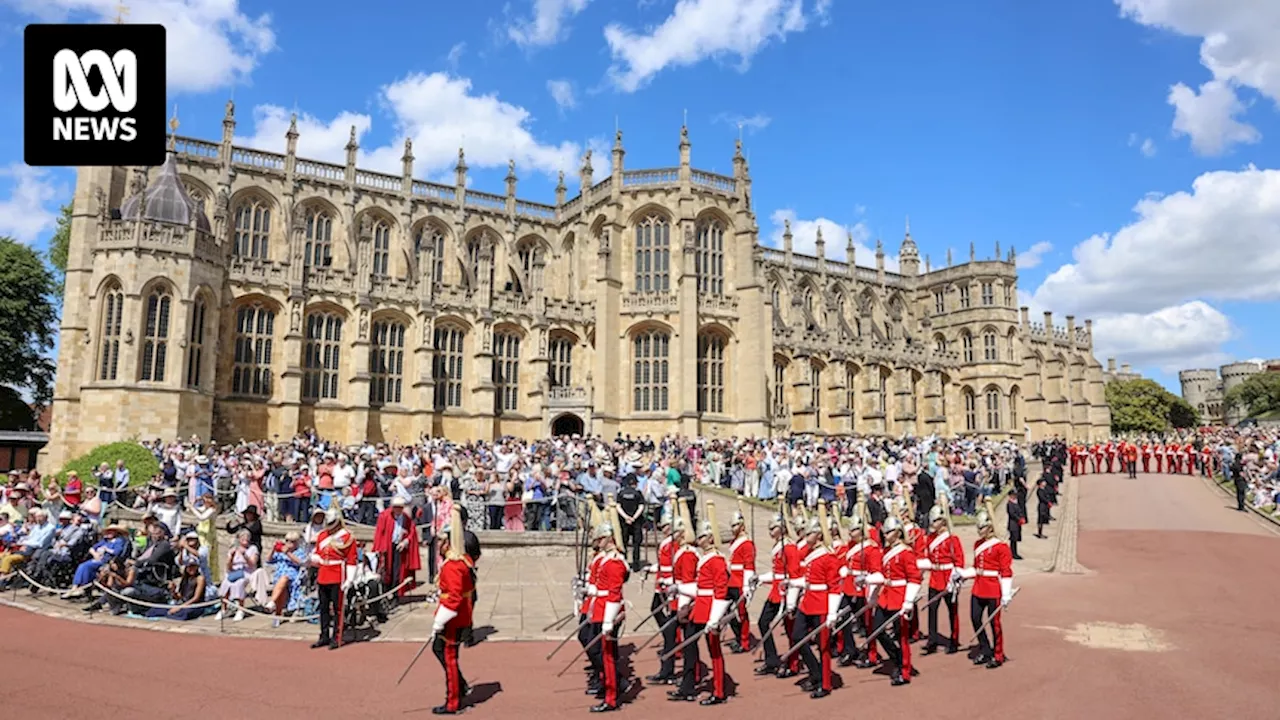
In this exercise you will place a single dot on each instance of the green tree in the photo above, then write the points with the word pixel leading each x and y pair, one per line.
pixel 28 320
pixel 59 245
pixel 1145 406
pixel 1258 394
pixel 15 413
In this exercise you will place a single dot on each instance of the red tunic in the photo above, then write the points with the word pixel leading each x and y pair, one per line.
pixel 666 553
pixel 611 574
pixel 684 572
pixel 900 569
pixel 992 561
pixel 821 577
pixel 945 552
pixel 742 557
pixel 786 565
pixel 384 546
pixel 713 584
pixel 863 559
pixel 335 551
pixel 457 592
pixel 589 601
pixel 917 539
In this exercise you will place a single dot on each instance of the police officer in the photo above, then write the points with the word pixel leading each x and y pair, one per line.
pixel 631 515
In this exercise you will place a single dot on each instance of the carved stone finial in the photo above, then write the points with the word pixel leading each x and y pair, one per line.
pixel 231 110
pixel 511 169
pixel 293 126
pixel 560 181
pixel 879 247
pixel 617 140
pixel 351 143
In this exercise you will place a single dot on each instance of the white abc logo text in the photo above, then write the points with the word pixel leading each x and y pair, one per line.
pixel 119 81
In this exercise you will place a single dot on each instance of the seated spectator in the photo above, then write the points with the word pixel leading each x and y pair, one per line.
pixel 8 533
pixel 250 522
pixel 288 563
pixel 190 550
pixel 68 534
pixel 112 545
pixel 146 577
pixel 242 559
pixel 16 505
pixel 91 507
pixel 36 534
pixel 168 511
pixel 187 594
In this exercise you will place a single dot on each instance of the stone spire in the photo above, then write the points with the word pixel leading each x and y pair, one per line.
pixel 908 253
pixel 291 135
pixel 229 123
pixel 786 239
pixel 560 190
pixel 173 131
pixel 352 146
pixel 973 253
pixel 618 152
pixel 511 178
pixel 461 169
pixel 820 245
pixel 406 160
pixel 850 250
pixel 997 257
pixel 685 146
pixel 879 254
pixel 585 173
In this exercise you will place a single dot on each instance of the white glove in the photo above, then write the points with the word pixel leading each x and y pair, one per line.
pixel 874 579
pixel 924 563
pixel 833 609
pixel 912 592
pixel 718 608
pixel 844 571
pixel 1006 590
pixel 749 579
pixel 443 616
pixel 793 597
pixel 965 573
pixel 611 611
pixel 349 577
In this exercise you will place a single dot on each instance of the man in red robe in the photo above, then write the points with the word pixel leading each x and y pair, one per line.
pixel 395 540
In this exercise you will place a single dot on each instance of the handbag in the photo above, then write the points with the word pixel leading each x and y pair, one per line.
pixel 235 576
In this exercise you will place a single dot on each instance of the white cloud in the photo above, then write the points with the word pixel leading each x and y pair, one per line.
pixel 1238 47
pixel 562 92
pixel 749 123
pixel 804 238
pixel 546 24
pixel 31 208
pixel 1034 255
pixel 700 29
pixel 1174 338
pixel 1146 146
pixel 455 55
pixel 211 43
pixel 440 113
pixel 1209 117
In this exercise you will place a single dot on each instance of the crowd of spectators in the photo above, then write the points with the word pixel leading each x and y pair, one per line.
pixel 1247 458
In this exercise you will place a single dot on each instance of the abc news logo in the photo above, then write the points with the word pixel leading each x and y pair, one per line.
pixel 94 95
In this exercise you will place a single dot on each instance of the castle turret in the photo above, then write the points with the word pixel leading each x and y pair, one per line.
pixel 908 254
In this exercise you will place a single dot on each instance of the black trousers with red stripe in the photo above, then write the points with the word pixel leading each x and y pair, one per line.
pixel 953 615
pixel 663 615
pixel 819 666
pixel 446 648
pixel 979 610
pixel 894 640
pixel 330 597
pixel 741 625
pixel 605 653
pixel 767 616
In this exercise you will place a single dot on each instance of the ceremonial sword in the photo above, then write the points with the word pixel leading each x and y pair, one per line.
pixel 587 647
pixel 694 637
pixel 661 630
pixel 983 627
pixel 413 662
pixel 571 636
pixel 806 639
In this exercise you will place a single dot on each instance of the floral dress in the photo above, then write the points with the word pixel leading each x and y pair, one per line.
pixel 286 566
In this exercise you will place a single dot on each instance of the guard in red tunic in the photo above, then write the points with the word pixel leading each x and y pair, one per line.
pixel 795 587
pixel 785 565
pixel 451 628
pixel 1097 459
pixel 862 558
pixel 992 575
pixel 1158 451
pixel 1111 457
pixel 1206 461
pixel 837 548
pixel 819 608
pixel 663 603
pixel 943 554
pixel 595 685
pixel 710 603
pixel 1146 457
pixel 915 538
pixel 611 574
pixel 1188 458
pixel 685 575
pixel 742 583
pixel 900 584
pixel 395 540
pixel 334 557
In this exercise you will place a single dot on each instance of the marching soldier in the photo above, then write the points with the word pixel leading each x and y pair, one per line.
pixel 900 581
pixel 335 560
pixel 451 627
pixel 795 588
pixel 992 574
pixel 611 573
pixel 742 583
pixel 711 601
pixel 1146 456
pixel 944 553
pixel 685 575
pixel 664 604
pixel 786 565
pixel 819 608
pixel 862 559
pixel 915 538
pixel 1158 451
pixel 587 609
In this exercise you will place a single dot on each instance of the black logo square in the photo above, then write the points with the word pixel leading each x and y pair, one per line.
pixel 94 95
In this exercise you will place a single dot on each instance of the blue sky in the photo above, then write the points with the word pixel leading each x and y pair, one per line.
pixel 1133 169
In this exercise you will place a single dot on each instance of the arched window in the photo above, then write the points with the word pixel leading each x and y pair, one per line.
pixel 109 345
pixel 561 366
pixel 155 335
pixel 651 350
pixel 711 373
pixel 709 260
pixel 970 410
pixel 319 248
pixel 775 295
pixel 432 235
pixel 1012 348
pixel 381 248
pixel 1013 407
pixel 195 344
pixel 252 229
pixel 779 387
pixel 321 353
pixel 882 390
pixel 386 363
pixel 912 399
pixel 446 367
pixel 993 409
pixel 989 351
pixel 939 302
pixel 966 345
pixel 811 309
pixel 940 343
pixel 653 255
pixel 506 371
pixel 815 389
pixel 988 294
pixel 197 196
pixel 251 369
pixel 964 297
pixel 851 388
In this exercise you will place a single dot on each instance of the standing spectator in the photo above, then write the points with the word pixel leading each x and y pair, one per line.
pixel 631 514
pixel 496 498
pixel 72 492
pixel 106 479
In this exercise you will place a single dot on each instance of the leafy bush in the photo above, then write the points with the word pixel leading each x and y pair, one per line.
pixel 141 463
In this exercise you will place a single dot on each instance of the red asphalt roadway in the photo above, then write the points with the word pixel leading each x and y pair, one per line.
pixel 1164 552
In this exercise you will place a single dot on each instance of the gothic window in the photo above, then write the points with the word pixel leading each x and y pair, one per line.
pixel 386 363
pixel 1013 408
pixel 914 380
pixel 653 255
pixel 988 294
pixel 970 410
pixel 811 308
pixel 195 344
pixel 561 366
pixel 939 302
pixel 109 345
pixel 155 335
pixel 446 368
pixel 381 248
pixel 432 235
pixel 711 381
pixel 964 297
pixel 319 239
pixel 252 229
pixel 473 262
pixel 850 387
pixel 775 294
pixel 882 391
pixel 198 197
pixel 709 261
pixel 940 343
pixel 815 387
pixel 651 350
pixel 966 346
pixel 779 386
pixel 1012 350
pixel 1008 295
pixel 506 371
pixel 993 409
pixel 251 368
pixel 989 351
pixel 320 355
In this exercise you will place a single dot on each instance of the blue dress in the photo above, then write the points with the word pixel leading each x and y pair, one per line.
pixel 88 570
pixel 286 567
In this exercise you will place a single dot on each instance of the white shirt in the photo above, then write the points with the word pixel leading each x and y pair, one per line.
pixel 343 475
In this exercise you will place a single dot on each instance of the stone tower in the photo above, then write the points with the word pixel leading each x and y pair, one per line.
pixel 909 254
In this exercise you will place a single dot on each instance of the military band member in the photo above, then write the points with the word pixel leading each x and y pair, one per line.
pixel 710 603
pixel 611 573
pixel 742 582
pixel 786 565
pixel 663 603
pixel 451 627
pixel 992 575
pixel 861 560
pixel 900 581
pixel 943 554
